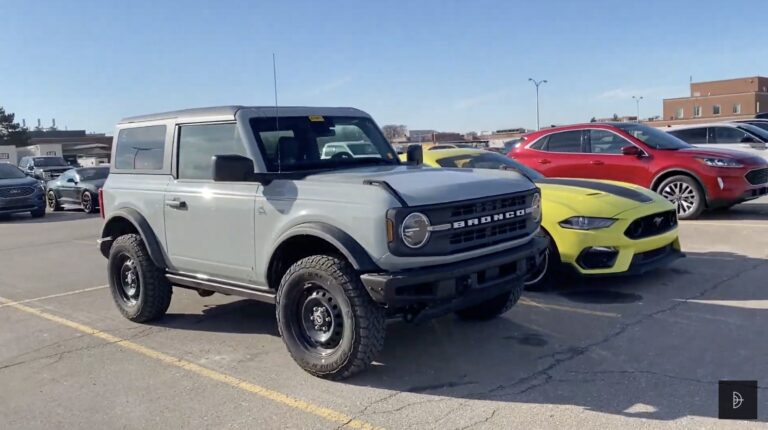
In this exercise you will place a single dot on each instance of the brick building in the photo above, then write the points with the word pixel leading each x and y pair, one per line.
pixel 718 101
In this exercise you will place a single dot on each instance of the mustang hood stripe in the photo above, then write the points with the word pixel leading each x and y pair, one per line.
pixel 616 190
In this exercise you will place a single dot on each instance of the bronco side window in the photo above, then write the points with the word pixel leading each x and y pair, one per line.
pixel 140 148
pixel 199 143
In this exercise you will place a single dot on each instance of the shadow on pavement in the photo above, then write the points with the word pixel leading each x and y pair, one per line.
pixel 654 361
pixel 746 211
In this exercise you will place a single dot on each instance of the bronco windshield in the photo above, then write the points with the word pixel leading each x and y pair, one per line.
pixel 297 142
pixel 653 137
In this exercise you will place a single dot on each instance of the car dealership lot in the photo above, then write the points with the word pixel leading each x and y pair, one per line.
pixel 604 353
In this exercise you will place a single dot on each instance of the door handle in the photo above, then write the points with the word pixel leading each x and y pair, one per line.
pixel 544 161
pixel 596 163
pixel 176 204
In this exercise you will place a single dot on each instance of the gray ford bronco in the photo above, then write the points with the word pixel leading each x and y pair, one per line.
pixel 243 201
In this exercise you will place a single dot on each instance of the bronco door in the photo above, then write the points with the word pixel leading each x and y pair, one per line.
pixel 209 226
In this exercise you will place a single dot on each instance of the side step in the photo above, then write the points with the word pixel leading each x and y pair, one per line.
pixel 261 294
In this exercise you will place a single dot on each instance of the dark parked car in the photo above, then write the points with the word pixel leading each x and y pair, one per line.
pixel 44 168
pixel 20 193
pixel 77 187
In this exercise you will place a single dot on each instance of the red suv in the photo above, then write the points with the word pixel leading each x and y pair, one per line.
pixel 693 178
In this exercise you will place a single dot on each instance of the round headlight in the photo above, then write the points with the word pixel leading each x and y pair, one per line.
pixel 536 207
pixel 415 230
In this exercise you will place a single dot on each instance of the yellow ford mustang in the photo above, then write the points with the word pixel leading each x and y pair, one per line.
pixel 595 227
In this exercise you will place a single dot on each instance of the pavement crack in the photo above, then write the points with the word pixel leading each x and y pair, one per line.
pixel 482 421
pixel 564 356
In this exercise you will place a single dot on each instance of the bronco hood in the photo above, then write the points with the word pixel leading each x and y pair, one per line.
pixel 593 197
pixel 419 185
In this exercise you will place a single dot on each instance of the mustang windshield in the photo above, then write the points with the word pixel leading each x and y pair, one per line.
pixel 296 143
pixel 654 137
pixel 489 160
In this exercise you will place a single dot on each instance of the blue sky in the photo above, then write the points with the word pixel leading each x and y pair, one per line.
pixel 449 65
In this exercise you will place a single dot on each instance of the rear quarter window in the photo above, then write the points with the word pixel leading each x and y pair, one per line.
pixel 140 148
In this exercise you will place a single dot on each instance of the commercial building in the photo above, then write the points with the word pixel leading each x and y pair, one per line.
pixel 717 101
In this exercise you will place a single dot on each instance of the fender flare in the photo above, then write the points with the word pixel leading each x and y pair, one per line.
pixel 655 182
pixel 142 226
pixel 349 247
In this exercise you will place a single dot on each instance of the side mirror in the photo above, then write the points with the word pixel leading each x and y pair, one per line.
pixel 30 168
pixel 232 168
pixel 415 155
pixel 631 150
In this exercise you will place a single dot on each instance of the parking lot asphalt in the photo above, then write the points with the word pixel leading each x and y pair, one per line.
pixel 598 353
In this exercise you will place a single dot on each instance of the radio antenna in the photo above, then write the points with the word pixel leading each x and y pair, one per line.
pixel 277 111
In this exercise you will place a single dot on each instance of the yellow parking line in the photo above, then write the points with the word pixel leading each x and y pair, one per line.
pixel 68 293
pixel 328 414
pixel 529 302
pixel 724 223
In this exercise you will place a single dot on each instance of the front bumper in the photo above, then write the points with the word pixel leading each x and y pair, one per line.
pixel 574 245
pixel 448 287
pixel 726 187
pixel 33 202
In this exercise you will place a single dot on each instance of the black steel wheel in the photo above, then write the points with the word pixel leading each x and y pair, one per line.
pixel 139 288
pixel 329 323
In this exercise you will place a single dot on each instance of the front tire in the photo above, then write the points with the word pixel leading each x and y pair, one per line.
pixel 686 194
pixel 139 288
pixel 53 202
pixel 330 325
pixel 494 307
pixel 88 202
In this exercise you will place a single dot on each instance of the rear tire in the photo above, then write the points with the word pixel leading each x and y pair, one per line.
pixel 88 202
pixel 494 307
pixel 139 288
pixel 330 325
pixel 53 202
pixel 686 194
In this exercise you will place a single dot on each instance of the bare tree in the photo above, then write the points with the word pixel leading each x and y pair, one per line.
pixel 393 131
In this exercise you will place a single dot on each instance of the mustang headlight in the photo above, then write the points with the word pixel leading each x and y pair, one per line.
pixel 586 223
pixel 415 230
pixel 720 162
pixel 536 207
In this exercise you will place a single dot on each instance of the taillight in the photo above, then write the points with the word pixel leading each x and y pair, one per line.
pixel 101 202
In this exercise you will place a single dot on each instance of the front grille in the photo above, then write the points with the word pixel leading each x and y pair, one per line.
pixel 469 225
pixel 651 225
pixel 492 232
pixel 489 206
pixel 757 176
pixel 13 192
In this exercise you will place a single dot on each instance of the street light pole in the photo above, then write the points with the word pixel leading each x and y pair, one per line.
pixel 637 101
pixel 537 83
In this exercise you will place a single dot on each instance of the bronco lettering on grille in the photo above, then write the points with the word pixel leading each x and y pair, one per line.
pixel 482 220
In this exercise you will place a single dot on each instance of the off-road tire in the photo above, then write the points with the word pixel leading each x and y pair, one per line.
pixel 684 183
pixel 89 202
pixel 363 321
pixel 154 295
pixel 494 307
pixel 52 201
pixel 38 213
